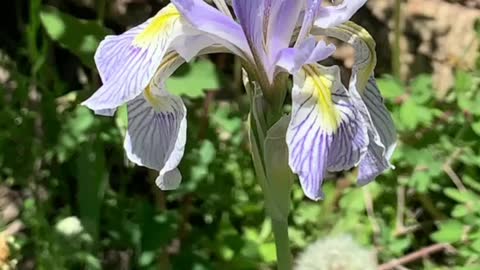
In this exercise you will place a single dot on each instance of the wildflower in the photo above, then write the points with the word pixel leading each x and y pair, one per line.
pixel 69 226
pixel 336 253
pixel 331 128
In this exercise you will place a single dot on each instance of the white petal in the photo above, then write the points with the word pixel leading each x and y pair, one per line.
pixel 128 62
pixel 326 133
pixel 381 131
pixel 156 134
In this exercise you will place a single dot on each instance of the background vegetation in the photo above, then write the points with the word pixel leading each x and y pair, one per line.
pixel 69 199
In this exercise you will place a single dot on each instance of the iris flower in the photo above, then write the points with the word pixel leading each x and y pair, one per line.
pixel 332 128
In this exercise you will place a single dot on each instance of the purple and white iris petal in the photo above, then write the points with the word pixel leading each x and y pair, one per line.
pixel 381 132
pixel 310 14
pixel 308 52
pixel 156 135
pixel 127 62
pixel 105 112
pixel 282 19
pixel 207 19
pixel 332 16
pixel 326 132
pixel 251 16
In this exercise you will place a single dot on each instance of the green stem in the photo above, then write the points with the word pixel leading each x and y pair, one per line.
pixel 396 63
pixel 282 244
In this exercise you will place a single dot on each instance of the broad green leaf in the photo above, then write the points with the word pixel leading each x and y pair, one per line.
pixel 449 232
pixel 459 196
pixel 390 87
pixel 460 210
pixel 463 82
pixel 268 252
pixel 422 89
pixel 207 152
pixel 193 79
pixel 412 115
pixel 421 181
pixel 80 37
pixel 476 245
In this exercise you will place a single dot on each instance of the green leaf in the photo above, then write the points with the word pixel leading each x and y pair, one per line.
pixel 463 81
pixel 460 211
pixel 390 87
pixel 421 181
pixel 207 152
pixel 92 178
pixel 449 232
pixel 80 37
pixel 191 80
pixel 455 194
pixel 279 174
pixel 476 245
pixel 422 89
pixel 412 115
pixel 476 127
pixel 268 252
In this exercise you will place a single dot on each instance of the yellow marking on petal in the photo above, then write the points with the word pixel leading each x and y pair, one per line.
pixel 157 102
pixel 321 87
pixel 362 41
pixel 367 70
pixel 160 24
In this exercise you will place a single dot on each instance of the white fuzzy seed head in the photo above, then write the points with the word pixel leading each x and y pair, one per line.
pixel 69 226
pixel 336 253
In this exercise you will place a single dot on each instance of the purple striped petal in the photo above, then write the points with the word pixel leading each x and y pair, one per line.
pixel 332 16
pixel 367 100
pixel 381 131
pixel 156 134
pixel 210 20
pixel 282 18
pixel 250 14
pixel 310 14
pixel 308 52
pixel 326 132
pixel 127 62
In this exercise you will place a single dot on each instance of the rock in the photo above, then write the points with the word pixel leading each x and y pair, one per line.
pixel 435 37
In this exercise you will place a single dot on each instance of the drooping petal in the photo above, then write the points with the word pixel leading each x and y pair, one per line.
pixel 362 42
pixel 326 132
pixel 308 52
pixel 156 134
pixel 367 100
pixel 335 15
pixel 206 18
pixel 381 131
pixel 127 62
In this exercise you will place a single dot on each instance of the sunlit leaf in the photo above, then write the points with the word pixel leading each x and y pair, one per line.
pixel 193 79
pixel 80 37
pixel 449 232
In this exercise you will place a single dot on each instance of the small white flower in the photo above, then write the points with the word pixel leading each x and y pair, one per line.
pixel 69 226
pixel 336 253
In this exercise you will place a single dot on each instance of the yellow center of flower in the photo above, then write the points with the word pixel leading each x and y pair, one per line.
pixel 159 25
pixel 320 86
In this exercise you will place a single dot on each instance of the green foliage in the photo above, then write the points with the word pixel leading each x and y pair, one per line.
pixel 80 37
pixel 65 163
pixel 193 79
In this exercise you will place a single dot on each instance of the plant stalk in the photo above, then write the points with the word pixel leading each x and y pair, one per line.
pixel 282 244
pixel 396 51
